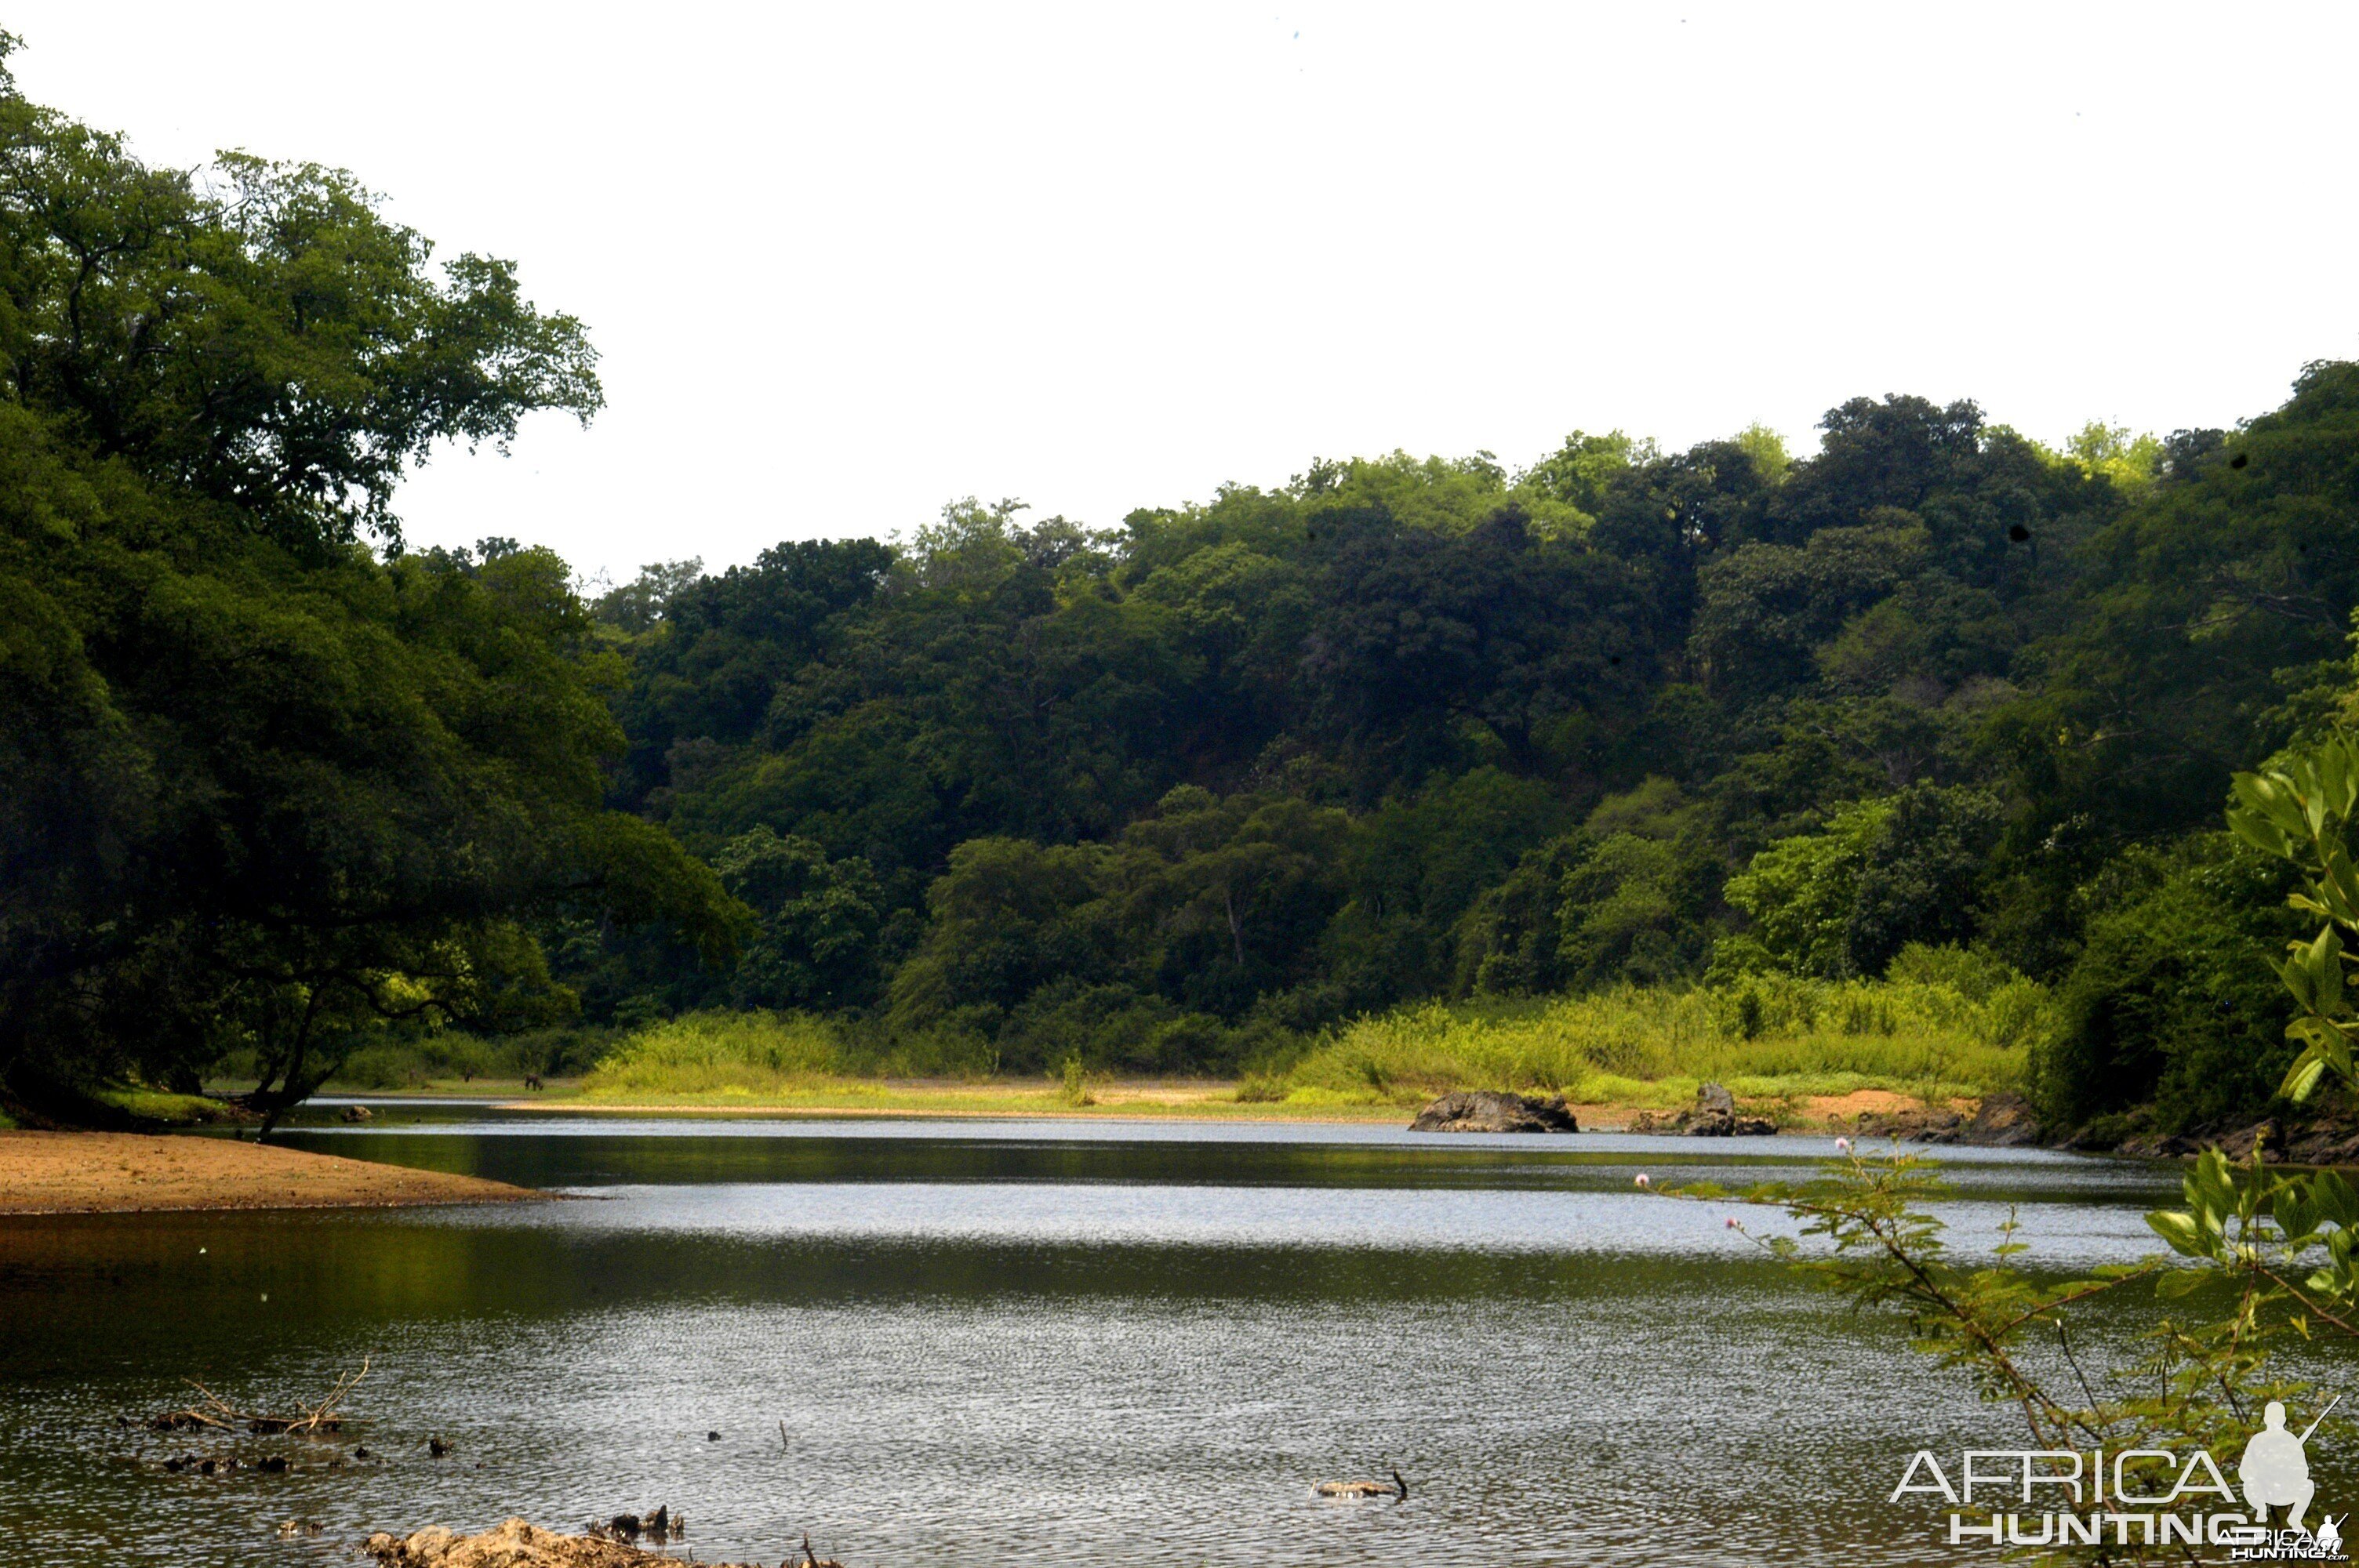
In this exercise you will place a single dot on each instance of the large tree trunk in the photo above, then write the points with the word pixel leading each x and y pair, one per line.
pixel 292 1090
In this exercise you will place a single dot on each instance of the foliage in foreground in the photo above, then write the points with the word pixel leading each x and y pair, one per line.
pixel 2302 811
pixel 2269 1259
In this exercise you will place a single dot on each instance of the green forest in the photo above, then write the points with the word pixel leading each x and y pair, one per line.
pixel 1188 793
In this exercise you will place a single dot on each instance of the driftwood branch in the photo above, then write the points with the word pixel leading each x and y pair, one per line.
pixel 214 1412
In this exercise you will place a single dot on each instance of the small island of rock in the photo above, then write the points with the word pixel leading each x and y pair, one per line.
pixel 1485 1110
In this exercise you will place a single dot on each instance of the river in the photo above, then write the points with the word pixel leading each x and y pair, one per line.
pixel 1057 1343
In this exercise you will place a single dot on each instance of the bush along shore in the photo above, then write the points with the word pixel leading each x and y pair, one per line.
pixel 1949 1046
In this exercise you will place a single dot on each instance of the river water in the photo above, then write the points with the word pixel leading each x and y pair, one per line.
pixel 1067 1343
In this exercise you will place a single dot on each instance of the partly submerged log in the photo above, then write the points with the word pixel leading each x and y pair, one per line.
pixel 1398 1490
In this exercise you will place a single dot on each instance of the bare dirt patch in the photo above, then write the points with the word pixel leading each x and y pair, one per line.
pixel 1873 1102
pixel 86 1172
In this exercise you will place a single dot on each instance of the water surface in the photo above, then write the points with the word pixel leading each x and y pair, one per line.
pixel 1071 1342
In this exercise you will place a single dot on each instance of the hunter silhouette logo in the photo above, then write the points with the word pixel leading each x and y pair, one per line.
pixel 2142 1497
pixel 2276 1467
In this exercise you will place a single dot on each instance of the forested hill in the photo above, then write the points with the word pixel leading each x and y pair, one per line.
pixel 1173 795
pixel 1404 728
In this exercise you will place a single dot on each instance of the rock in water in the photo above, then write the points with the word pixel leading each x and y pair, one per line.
pixel 1715 1115
pixel 2002 1122
pixel 1484 1110
pixel 515 1544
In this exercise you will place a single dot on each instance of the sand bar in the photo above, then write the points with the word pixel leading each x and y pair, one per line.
pixel 90 1173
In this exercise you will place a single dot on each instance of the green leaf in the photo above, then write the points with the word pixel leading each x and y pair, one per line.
pixel 2308 1069
pixel 2336 1202
pixel 2290 1205
pixel 2180 1230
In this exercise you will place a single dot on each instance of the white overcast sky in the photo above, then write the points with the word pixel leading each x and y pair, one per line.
pixel 847 262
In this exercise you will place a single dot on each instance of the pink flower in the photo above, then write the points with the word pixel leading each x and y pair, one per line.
pixel 1842 1145
pixel 1731 1223
pixel 1644 1180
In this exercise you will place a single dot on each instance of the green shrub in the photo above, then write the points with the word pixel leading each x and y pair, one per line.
pixel 165 1107
pixel 452 1054
pixel 715 1053
pixel 2172 999
pixel 1970 973
pixel 1779 1034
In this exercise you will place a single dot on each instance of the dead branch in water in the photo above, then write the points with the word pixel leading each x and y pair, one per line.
pixel 1397 1491
pixel 218 1413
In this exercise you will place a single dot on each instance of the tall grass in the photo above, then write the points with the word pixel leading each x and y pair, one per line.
pixel 1769 1036
pixel 724 1054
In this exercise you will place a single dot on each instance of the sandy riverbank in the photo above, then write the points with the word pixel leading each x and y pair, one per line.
pixel 90 1173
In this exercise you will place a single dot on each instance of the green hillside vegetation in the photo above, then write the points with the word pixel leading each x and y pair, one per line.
pixel 1191 792
pixel 1407 771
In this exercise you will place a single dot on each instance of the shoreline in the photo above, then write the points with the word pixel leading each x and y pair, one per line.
pixel 1818 1116
pixel 1242 1115
pixel 141 1172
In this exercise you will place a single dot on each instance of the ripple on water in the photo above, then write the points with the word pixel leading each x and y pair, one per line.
pixel 1018 1347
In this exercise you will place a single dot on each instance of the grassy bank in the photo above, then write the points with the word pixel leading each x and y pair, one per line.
pixel 1768 1040
pixel 726 1061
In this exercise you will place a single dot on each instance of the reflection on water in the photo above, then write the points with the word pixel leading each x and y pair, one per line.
pixel 1049 1343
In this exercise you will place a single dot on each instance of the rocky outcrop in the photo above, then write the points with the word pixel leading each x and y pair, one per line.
pixel 2308 1143
pixel 1714 1115
pixel 2003 1121
pixel 1912 1126
pixel 515 1544
pixel 2323 1145
pixel 1484 1110
pixel 2328 1140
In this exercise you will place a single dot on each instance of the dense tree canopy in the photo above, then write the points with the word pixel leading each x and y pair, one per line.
pixel 266 789
pixel 1011 789
pixel 1408 728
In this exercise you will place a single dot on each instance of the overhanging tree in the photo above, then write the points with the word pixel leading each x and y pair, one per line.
pixel 267 789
